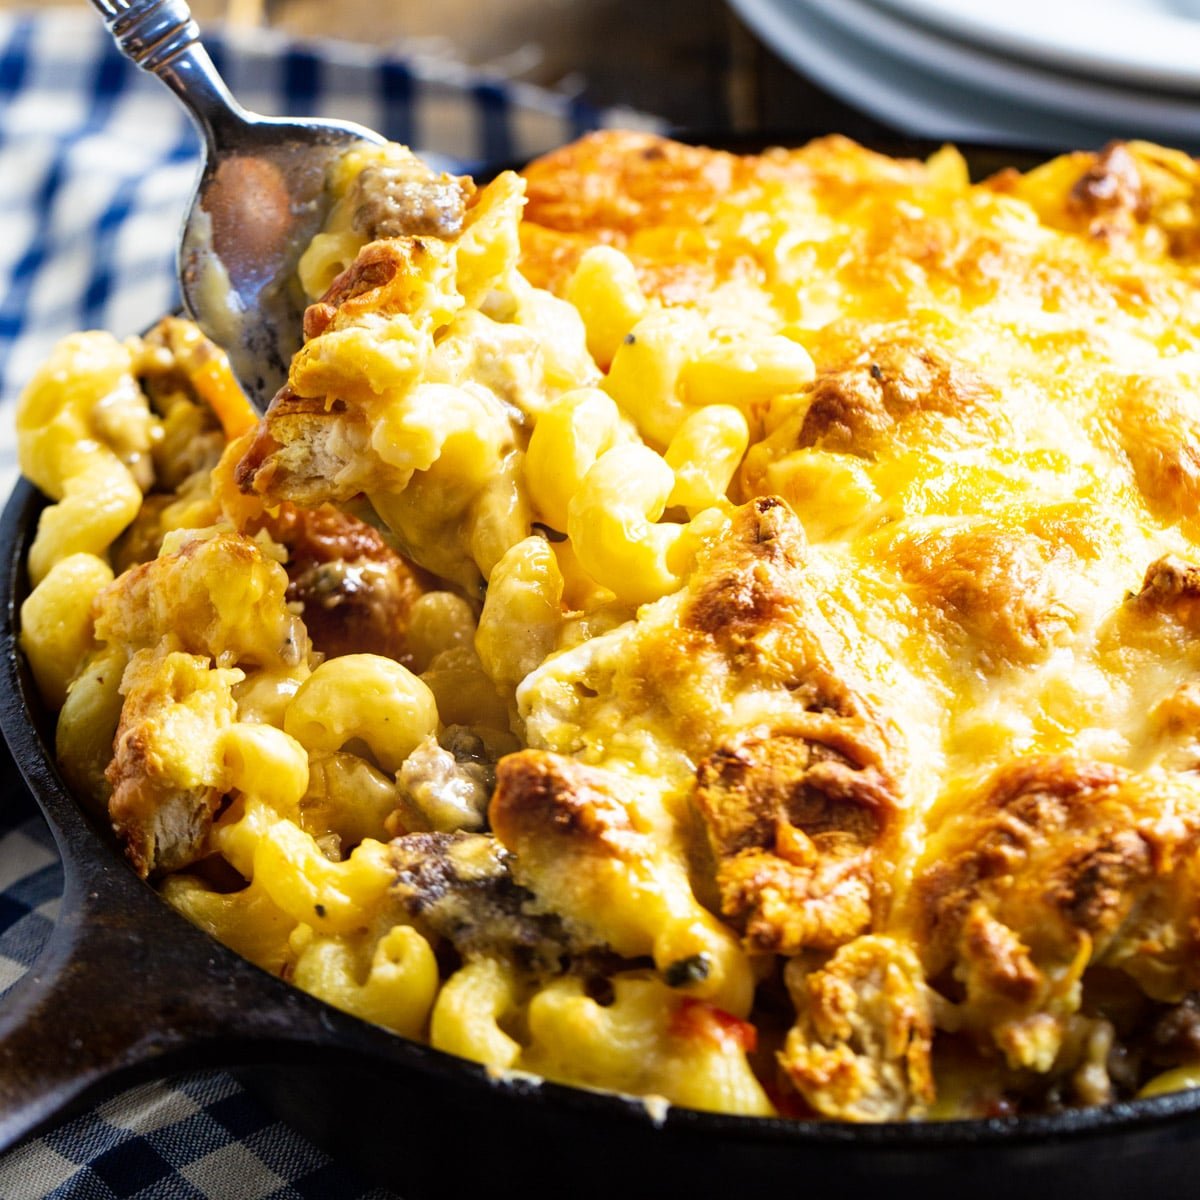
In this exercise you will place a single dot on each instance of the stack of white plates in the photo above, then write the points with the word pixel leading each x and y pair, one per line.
pixel 1033 72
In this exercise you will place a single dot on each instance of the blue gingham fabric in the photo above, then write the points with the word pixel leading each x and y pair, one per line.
pixel 97 162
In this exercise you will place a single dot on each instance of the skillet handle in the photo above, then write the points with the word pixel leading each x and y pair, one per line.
pixel 126 989
pixel 94 1008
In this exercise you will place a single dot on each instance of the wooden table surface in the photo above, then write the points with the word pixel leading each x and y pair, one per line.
pixel 689 61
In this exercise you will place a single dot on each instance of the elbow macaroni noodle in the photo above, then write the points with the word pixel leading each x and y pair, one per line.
pixel 83 434
pixel 362 696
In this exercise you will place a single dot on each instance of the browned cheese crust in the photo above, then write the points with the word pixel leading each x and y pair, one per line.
pixel 797 824
pixel 1055 865
pixel 654 199
pixel 179 618
pixel 897 391
pixel 555 815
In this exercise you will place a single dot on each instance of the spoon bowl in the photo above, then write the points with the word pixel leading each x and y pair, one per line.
pixel 260 198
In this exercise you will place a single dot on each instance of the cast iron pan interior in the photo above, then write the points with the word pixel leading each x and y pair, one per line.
pixel 128 989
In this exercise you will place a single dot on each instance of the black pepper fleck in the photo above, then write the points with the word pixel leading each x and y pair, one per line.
pixel 688 970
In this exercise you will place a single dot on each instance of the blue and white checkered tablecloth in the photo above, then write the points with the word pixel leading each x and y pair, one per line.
pixel 97 163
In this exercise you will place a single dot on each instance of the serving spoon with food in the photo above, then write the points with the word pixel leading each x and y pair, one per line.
pixel 260 198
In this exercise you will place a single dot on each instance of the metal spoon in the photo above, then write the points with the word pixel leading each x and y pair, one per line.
pixel 259 200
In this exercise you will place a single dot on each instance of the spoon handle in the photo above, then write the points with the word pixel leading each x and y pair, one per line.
pixel 161 37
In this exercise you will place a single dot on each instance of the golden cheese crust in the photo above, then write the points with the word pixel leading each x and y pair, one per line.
pixel 982 803
pixel 653 198
pixel 797 829
pixel 900 390
pixel 1053 867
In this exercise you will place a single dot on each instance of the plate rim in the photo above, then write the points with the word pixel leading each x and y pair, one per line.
pixel 1087 38
pixel 1006 77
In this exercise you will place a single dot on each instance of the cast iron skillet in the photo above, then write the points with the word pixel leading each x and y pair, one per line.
pixel 127 989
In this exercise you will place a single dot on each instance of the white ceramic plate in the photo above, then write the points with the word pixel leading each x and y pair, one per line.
pixel 892 90
pixel 1150 42
pixel 1125 111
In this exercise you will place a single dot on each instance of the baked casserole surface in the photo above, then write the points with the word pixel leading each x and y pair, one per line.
pixel 717 628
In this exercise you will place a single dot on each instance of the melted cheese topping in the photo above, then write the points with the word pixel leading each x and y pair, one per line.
pixel 995 468
pixel 999 442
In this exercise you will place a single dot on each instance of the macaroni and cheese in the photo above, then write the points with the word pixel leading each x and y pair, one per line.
pixel 708 627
